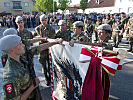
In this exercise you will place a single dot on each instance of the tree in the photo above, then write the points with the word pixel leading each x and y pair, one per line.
pixel 45 5
pixel 83 4
pixel 63 4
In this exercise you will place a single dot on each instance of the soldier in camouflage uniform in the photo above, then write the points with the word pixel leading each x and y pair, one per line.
pixel 79 36
pixel 22 32
pixel 28 42
pixel 89 28
pixel 108 21
pixel 63 32
pixel 45 30
pixel 17 84
pixel 130 26
pixel 99 22
pixel 16 79
pixel 104 31
pixel 112 18
pixel 117 32
pixel 124 21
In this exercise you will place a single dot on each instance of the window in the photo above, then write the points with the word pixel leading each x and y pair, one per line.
pixel 97 1
pixel 6 4
pixel 26 4
pixel 16 4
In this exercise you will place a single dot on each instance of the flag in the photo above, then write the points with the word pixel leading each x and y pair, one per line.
pixel 110 63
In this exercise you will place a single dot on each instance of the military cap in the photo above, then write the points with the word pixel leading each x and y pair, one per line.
pixel 122 13
pixel 43 16
pixel 104 27
pixel 9 42
pixel 18 18
pixel 78 23
pixel 10 31
pixel 62 22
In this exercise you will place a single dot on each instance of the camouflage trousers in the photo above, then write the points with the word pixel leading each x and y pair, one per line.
pixel 130 39
pixel 116 38
pixel 46 68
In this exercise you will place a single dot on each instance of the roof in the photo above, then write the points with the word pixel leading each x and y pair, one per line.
pixel 101 3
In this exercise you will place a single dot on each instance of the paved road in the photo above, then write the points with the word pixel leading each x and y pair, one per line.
pixel 121 83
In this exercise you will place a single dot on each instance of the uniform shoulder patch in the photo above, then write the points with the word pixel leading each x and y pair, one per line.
pixel 9 91
pixel 9 88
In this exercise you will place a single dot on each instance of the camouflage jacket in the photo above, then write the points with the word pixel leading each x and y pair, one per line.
pixel 108 21
pixel 130 24
pixel 80 38
pixel 25 35
pixel 117 27
pixel 47 31
pixel 65 35
pixel 105 44
pixel 16 79
pixel 97 24
pixel 89 29
pixel 124 20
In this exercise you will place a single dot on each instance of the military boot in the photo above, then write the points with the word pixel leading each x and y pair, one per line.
pixel 129 49
pixel 114 45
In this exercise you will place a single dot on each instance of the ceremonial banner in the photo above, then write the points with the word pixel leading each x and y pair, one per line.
pixel 69 66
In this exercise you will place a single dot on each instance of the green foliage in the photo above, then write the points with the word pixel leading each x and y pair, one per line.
pixel 45 5
pixel 63 4
pixel 83 4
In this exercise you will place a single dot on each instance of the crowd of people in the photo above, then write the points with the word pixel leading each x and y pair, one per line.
pixel 17 37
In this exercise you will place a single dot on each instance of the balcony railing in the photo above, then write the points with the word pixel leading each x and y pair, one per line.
pixel 16 0
pixel 17 7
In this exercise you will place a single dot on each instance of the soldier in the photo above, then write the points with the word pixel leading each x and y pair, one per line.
pixel 63 32
pixel 112 18
pixel 99 22
pixel 124 21
pixel 17 82
pixel 79 35
pixel 117 32
pixel 22 32
pixel 130 26
pixel 12 31
pixel 104 31
pixel 108 20
pixel 45 30
pixel 89 28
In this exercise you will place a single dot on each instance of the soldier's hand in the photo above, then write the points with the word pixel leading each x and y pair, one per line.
pixel 71 43
pixel 59 40
pixel 37 82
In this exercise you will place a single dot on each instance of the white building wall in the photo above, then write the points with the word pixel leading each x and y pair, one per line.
pixel 120 6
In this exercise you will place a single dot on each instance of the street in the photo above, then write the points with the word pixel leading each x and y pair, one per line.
pixel 121 83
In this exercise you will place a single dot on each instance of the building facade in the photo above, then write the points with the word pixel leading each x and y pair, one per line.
pixel 17 7
pixel 109 6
